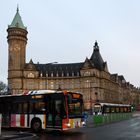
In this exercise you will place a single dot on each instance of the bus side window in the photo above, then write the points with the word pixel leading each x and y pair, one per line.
pixel 4 108
pixel 7 107
pixel 121 109
pixel 125 109
pixel 39 107
pixel 25 107
pixel 112 109
pixel 42 106
pixel 117 109
pixel 30 107
pixel 128 109
pixel 1 107
pixel 107 110
pixel 19 107
pixel 14 108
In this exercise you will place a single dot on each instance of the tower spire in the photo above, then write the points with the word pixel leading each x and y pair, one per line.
pixel 17 8
pixel 17 21
pixel 96 47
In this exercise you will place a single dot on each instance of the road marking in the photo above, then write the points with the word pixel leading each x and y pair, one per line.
pixel 9 136
pixel 137 123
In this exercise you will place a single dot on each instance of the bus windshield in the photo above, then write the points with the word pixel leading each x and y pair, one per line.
pixel 75 105
pixel 97 109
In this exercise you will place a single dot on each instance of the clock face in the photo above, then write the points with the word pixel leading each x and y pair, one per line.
pixel 14 48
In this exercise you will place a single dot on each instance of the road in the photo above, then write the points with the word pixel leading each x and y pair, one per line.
pixel 123 130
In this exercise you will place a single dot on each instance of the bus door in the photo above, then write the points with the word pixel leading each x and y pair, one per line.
pixel 54 107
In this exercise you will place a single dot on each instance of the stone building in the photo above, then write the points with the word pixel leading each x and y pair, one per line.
pixel 90 77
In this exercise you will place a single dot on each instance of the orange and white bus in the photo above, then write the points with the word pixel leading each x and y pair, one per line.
pixel 43 109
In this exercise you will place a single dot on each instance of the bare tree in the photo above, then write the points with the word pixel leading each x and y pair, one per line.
pixel 3 88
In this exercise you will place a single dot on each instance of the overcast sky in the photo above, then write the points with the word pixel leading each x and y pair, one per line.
pixel 64 31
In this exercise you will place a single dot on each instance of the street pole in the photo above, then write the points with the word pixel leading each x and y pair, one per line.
pixel 0 123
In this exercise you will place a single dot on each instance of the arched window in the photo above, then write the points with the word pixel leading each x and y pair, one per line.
pixel 87 84
pixel 30 75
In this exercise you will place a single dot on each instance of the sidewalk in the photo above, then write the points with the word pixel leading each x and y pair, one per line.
pixel 136 114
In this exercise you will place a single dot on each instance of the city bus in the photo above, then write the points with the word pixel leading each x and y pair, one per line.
pixel 43 109
pixel 105 108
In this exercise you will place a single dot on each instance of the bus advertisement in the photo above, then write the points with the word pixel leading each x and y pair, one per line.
pixel 43 109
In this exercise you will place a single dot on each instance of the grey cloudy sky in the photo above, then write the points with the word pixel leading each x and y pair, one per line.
pixel 65 31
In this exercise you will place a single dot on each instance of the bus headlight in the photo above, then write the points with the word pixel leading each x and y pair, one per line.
pixel 68 124
pixel 83 123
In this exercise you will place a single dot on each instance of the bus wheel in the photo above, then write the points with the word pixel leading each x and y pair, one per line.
pixel 36 125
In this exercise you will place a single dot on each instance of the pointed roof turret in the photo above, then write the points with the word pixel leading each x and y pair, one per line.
pixel 96 57
pixel 30 65
pixel 17 21
pixel 31 61
pixel 87 64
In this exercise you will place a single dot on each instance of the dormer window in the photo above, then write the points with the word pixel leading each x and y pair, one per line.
pixel 77 73
pixel 41 74
pixel 72 73
pixel 62 74
pixel 52 74
pixel 46 74
pixel 67 73
pixel 57 74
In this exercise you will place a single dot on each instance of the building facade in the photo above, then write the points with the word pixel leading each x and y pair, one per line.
pixel 90 77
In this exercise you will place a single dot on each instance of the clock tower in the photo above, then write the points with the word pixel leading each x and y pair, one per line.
pixel 17 40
